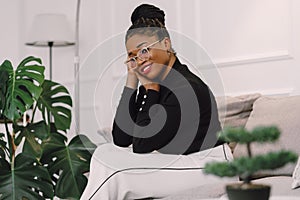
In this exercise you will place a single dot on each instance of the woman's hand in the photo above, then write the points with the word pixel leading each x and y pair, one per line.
pixel 147 83
pixel 133 77
pixel 132 80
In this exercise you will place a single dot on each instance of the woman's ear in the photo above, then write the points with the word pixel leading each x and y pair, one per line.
pixel 167 43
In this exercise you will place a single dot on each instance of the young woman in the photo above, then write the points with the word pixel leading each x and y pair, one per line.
pixel 165 112
pixel 189 106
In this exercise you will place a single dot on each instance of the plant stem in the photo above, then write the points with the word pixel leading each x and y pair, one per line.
pixel 249 150
pixel 9 140
pixel 247 180
pixel 33 113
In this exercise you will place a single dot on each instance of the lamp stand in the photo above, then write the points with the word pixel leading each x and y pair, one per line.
pixel 76 71
pixel 50 44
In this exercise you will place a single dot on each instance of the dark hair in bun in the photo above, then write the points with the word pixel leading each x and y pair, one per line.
pixel 148 12
pixel 148 20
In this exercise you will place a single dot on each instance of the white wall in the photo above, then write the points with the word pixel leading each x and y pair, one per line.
pixel 254 44
pixel 9 40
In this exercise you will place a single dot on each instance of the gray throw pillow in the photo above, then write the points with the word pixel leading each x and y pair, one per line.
pixel 235 110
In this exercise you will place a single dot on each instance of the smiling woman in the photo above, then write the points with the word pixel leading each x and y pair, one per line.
pixel 152 62
pixel 166 113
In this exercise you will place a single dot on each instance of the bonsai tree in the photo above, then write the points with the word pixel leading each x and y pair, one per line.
pixel 46 165
pixel 246 167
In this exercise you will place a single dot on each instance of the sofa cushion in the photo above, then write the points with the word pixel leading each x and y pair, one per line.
pixel 283 112
pixel 235 110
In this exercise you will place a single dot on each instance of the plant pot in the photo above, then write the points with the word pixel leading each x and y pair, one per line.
pixel 248 191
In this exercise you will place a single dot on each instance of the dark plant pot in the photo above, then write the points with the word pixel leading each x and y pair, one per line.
pixel 248 192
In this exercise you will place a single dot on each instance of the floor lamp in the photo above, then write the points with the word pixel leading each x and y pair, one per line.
pixel 50 30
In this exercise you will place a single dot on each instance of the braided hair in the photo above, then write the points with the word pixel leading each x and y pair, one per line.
pixel 148 20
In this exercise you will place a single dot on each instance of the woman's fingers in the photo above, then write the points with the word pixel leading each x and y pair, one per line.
pixel 132 79
pixel 143 80
pixel 134 76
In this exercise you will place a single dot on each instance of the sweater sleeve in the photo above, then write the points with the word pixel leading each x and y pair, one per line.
pixel 124 120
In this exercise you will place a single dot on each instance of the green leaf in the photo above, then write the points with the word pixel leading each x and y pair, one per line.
pixel 266 134
pixel 34 135
pixel 238 134
pixel 222 169
pixel 3 147
pixel 24 180
pixel 246 167
pixel 70 162
pixel 3 87
pixel 241 135
pixel 55 101
pixel 23 86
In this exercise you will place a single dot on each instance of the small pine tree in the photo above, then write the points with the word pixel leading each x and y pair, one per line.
pixel 245 167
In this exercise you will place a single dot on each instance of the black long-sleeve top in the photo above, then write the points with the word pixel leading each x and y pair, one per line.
pixel 180 118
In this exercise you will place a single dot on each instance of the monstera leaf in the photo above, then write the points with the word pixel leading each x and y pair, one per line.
pixel 27 75
pixel 70 162
pixel 55 102
pixel 26 179
pixel 3 85
pixel 34 135
pixel 3 147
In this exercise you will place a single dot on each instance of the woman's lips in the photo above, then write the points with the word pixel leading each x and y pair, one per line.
pixel 146 69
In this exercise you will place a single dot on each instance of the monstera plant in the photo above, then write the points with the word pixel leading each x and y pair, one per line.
pixel 36 159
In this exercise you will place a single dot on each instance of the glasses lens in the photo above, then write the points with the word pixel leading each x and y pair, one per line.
pixel 143 54
pixel 131 62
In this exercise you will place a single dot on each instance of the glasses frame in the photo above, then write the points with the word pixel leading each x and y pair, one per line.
pixel 134 58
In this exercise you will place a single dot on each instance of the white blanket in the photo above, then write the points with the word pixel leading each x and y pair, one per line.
pixel 117 174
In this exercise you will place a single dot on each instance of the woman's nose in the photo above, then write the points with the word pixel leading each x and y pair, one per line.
pixel 140 61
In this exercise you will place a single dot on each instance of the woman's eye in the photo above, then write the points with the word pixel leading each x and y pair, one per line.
pixel 131 59
pixel 144 51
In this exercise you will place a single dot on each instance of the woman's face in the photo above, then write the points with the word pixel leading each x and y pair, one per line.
pixel 153 67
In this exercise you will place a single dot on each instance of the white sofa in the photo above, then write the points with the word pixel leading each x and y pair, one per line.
pixel 250 111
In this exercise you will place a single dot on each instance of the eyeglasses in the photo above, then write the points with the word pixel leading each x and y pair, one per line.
pixel 143 54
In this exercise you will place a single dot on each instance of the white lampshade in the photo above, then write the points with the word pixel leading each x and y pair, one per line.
pixel 50 28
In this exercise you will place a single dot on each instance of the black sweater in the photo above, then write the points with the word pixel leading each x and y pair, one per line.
pixel 185 122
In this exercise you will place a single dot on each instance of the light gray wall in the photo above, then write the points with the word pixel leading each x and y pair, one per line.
pixel 254 44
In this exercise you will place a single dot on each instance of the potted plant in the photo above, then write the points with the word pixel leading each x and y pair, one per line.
pixel 246 167
pixel 36 159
